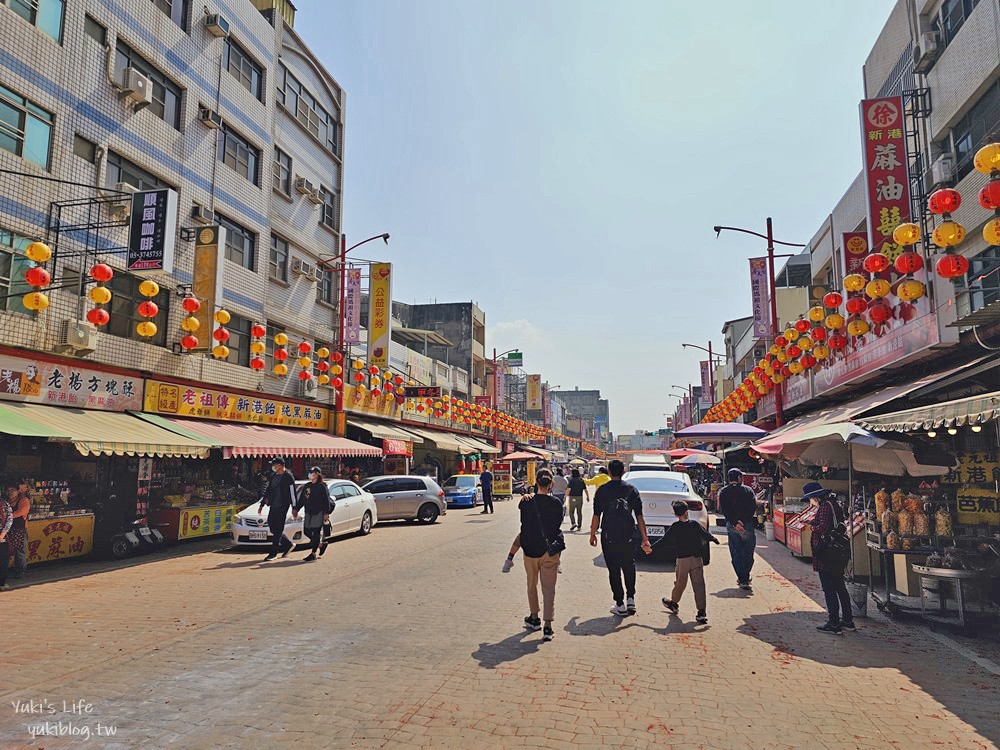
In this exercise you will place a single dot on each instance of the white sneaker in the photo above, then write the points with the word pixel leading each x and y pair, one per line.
pixel 507 565
pixel 619 610
pixel 630 605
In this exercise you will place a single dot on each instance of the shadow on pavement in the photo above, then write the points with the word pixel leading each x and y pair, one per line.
pixel 968 691
pixel 735 593
pixel 492 655
pixel 602 626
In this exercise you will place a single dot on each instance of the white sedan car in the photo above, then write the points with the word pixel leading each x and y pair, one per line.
pixel 354 512
pixel 659 490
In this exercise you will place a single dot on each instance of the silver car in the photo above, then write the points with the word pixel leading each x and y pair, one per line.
pixel 407 498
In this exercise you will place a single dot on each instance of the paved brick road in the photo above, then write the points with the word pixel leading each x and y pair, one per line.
pixel 412 638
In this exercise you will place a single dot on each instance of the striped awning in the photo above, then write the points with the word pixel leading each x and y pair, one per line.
pixel 446 441
pixel 384 431
pixel 239 440
pixel 478 445
pixel 975 410
pixel 97 433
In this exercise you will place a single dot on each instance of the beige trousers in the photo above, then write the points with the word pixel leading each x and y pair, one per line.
pixel 693 568
pixel 545 568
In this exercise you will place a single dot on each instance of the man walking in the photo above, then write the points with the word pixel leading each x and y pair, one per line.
pixel 279 497
pixel 689 539
pixel 559 486
pixel 576 490
pixel 486 480
pixel 739 506
pixel 541 517
pixel 617 511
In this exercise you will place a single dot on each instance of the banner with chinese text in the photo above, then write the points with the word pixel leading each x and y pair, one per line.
pixel 380 314
pixel 352 306
pixel 706 384
pixel 56 538
pixel 499 384
pixel 203 403
pixel 855 248
pixel 759 298
pixel 206 281
pixel 886 177
pixel 39 382
pixel 534 393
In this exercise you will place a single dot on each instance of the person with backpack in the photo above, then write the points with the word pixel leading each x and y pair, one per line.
pixel 690 540
pixel 618 513
pixel 831 553
pixel 314 497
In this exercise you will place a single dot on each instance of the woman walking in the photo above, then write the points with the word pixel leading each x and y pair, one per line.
pixel 18 535
pixel 6 520
pixel 831 571
pixel 541 542
pixel 315 498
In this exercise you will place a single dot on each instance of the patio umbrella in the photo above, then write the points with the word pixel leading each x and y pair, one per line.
pixel 577 462
pixel 696 459
pixel 721 432
pixel 684 452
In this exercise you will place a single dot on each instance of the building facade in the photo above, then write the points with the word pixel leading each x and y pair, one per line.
pixel 463 325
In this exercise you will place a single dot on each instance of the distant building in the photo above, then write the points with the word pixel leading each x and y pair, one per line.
pixel 461 325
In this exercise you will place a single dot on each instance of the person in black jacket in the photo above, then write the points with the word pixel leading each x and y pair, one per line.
pixel 541 517
pixel 279 496
pixel 690 539
pixel 314 497
pixel 739 506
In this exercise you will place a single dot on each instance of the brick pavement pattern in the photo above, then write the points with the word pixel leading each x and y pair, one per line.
pixel 412 638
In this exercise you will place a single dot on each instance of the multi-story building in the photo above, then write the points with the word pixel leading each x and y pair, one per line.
pixel 592 410
pixel 462 325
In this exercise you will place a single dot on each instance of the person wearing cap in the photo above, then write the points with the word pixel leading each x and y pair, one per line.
pixel 738 504
pixel 840 616
pixel 314 497
pixel 279 496
pixel 689 540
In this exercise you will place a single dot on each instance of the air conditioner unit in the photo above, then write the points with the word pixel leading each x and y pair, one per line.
pixel 122 204
pixel 925 52
pixel 202 215
pixel 137 87
pixel 210 119
pixel 303 268
pixel 216 25
pixel 943 169
pixel 316 197
pixel 78 337
pixel 308 388
pixel 303 186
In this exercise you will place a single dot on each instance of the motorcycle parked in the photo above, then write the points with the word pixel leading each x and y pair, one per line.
pixel 137 540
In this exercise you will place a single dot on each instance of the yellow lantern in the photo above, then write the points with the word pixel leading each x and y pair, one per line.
pixel 149 288
pixel 778 379
pixel 322 352
pixel 769 371
pixel 877 288
pixel 834 321
pixel 948 234
pixel 146 329
pixel 190 324
pixel 774 350
pixel 35 301
pixel 987 158
pixel 411 383
pixel 991 232
pixel 854 282
pixel 280 339
pixel 858 327
pixel 323 379
pixel 336 369
pixel 304 362
pixel 375 381
pixel 99 295
pixel 781 356
pixel 906 234
pixel 791 334
pixel 280 369
pixel 821 352
pixel 761 390
pixel 220 351
pixel 38 252
pixel 910 290
pixel 358 364
pixel 805 343
pixel 795 367
pixel 755 379
pixel 222 317
pixel 816 314
pixel 762 363
pixel 257 347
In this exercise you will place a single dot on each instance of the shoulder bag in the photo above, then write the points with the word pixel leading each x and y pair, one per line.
pixel 556 544
pixel 834 550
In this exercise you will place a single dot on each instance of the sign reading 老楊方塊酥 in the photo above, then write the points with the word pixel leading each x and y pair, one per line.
pixel 422 391
pixel 886 175
pixel 204 403
pixel 352 314
pixel 759 298
pixel 855 249
pixel 66 384
pixel 397 447
pixel 379 314
pixel 152 226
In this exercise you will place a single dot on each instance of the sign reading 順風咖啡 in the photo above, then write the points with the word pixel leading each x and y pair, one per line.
pixel 204 403
pixel 152 225
pixel 66 384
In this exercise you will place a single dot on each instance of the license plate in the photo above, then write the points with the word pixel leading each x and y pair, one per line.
pixel 655 530
pixel 258 535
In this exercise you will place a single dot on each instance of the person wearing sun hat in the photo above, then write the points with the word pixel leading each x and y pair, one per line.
pixel 838 600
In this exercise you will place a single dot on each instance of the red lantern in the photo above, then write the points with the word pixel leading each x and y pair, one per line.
pixel 437 413
pixel 793 351
pixel 189 342
pixel 781 341
pixel 907 312
pixel 305 347
pixel 323 366
pixel 373 370
pixel 818 334
pixel 429 402
pixel 257 330
pixel 257 363
pixel 359 377
pixel 98 316
pixel 400 400
pixel 336 357
pixel 875 263
pixel 148 309
pixel 337 382
pixel 951 266
pixel 376 392
pixel 989 196
pixel 944 201
pixel 786 371
pixel 398 380
pixel 37 277
pixel 838 341
pixel 420 407
pixel 833 300
pixel 879 312
pixel 101 273
pixel 220 334
pixel 909 262
pixel 191 305
pixel 305 375
pixel 857 305
pixel 758 371
pixel 801 325
pixel 808 361
pixel 281 354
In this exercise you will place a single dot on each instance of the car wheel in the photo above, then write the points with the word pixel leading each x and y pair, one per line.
pixel 428 513
pixel 120 548
pixel 366 524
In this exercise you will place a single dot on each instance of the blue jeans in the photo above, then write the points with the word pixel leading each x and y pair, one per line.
pixel 838 601
pixel 741 548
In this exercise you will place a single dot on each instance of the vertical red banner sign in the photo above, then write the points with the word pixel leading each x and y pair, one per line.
pixel 886 177
pixel 856 247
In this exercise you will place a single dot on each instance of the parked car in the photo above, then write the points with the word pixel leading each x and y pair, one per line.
pixel 407 497
pixel 354 512
pixel 463 491
pixel 659 490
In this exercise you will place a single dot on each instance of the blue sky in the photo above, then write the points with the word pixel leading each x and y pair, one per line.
pixel 562 163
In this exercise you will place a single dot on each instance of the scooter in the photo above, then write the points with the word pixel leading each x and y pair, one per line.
pixel 139 539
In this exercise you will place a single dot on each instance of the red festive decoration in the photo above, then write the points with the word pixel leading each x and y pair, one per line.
pixel 281 354
pixel 221 334
pixel 857 305
pixel 336 357
pixel 98 316
pixel 989 196
pixel 337 382
pixel 191 305
pixel 305 375
pixel 257 363
pixel 801 325
pixel 189 342
pixel 37 277
pixel 148 309
pixel 373 370
pixel 818 334
pixel 875 263
pixel 359 377
pixel 258 331
pixel 102 273
pixel 793 351
pixel 879 312
pixel 323 366
pixel 833 300
pixel 808 361
pixel 781 341
pixel 951 266
pixel 909 262
pixel 907 312
pixel 305 347
pixel 838 342
pixel 420 407
pixel 944 201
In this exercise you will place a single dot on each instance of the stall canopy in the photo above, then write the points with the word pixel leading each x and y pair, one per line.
pixel 252 440
pixel 519 456
pixel 696 459
pixel 720 432
pixel 965 411
pixel 478 446
pixel 539 452
pixel 96 433
pixel 383 431
pixel 446 441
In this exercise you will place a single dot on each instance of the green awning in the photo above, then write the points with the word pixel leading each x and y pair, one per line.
pixel 14 421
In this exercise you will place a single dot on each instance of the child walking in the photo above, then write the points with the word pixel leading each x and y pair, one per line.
pixel 690 540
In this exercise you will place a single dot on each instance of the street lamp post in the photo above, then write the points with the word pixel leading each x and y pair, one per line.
pixel 340 420
pixel 496 399
pixel 711 364
pixel 690 397
pixel 779 412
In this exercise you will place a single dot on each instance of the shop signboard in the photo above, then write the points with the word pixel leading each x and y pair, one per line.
pixel 422 391
pixel 152 229
pixel 854 247
pixel 380 314
pixel 204 403
pixel 57 538
pixel 759 299
pixel 365 401
pixel 534 393
pixel 207 521
pixel 886 176
pixel 499 383
pixel 503 483
pixel 206 281
pixel 352 306
pixel 397 447
pixel 975 480
pixel 37 381
pixel 705 399
pixel 483 401
pixel 514 359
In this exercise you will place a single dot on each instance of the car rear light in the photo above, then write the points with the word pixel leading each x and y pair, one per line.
pixel 440 493
pixel 695 505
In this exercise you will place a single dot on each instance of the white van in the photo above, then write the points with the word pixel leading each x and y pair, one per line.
pixel 649 462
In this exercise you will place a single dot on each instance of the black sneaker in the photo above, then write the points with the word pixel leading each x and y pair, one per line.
pixel 285 553
pixel 701 618
pixel 532 623
pixel 849 626
pixel 269 557
pixel 672 606
pixel 547 633
pixel 322 548
pixel 312 556
pixel 831 629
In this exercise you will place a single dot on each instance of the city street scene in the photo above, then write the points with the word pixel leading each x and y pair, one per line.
pixel 465 374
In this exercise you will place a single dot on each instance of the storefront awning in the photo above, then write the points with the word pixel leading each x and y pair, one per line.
pixel 446 441
pixel 239 440
pixel 479 446
pixel 963 411
pixel 541 452
pixel 383 431
pixel 96 433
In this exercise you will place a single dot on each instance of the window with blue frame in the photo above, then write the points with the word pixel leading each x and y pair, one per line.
pixel 25 128
pixel 13 264
pixel 47 15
